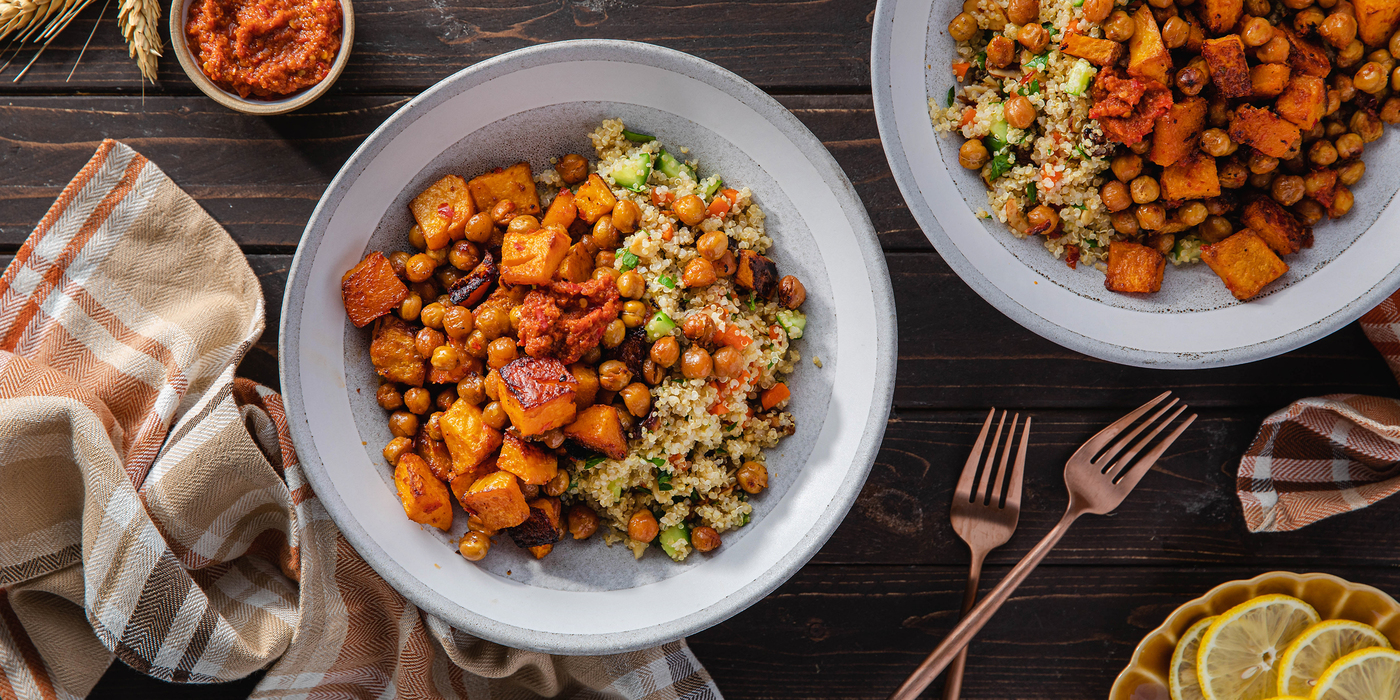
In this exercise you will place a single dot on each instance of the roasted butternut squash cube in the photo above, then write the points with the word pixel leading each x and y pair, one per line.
pixel 577 265
pixel 471 289
pixel 541 551
pixel 469 439
pixel 528 461
pixel 1304 57
pixel 371 289
pixel 1303 101
pixel 1276 226
pixel 538 394
pixel 1244 262
pixel 543 527
pixel 515 183
pixel 394 353
pixel 425 498
pixel 532 258
pixel 594 199
pixel 496 500
pixel 758 273
pixel 562 211
pixel 1147 55
pixel 587 389
pixel 1222 15
pixel 462 483
pixel 1192 177
pixel 599 427
pixel 433 452
pixel 442 211
pixel 1265 131
pixel 1376 20
pixel 1134 268
pixel 1100 52
pixel 1174 135
pixel 1269 79
pixel 1228 69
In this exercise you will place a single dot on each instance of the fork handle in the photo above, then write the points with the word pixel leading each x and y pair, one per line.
pixel 952 680
pixel 973 622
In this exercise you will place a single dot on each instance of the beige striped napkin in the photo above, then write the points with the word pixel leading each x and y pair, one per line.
pixel 153 507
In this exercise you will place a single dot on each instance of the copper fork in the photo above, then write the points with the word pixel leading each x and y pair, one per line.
pixel 1097 483
pixel 984 514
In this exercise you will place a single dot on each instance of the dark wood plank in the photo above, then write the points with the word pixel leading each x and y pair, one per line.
pixel 406 46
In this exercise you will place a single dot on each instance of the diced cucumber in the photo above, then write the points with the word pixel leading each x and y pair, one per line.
pixel 668 165
pixel 616 487
pixel 794 322
pixel 672 536
pixel 1077 83
pixel 659 326
pixel 636 137
pixel 633 172
pixel 709 186
pixel 999 125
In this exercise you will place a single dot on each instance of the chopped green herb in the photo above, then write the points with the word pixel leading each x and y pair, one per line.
pixel 1001 163
pixel 627 259
pixel 667 282
pixel 636 137
pixel 1080 207
pixel 981 60
pixel 1032 194
pixel 1079 3
pixel 746 520
pixel 1035 86
pixel 1038 62
pixel 657 461
pixel 694 495
pixel 593 462
pixel 752 304
pixel 743 495
pixel 663 481
pixel 950 97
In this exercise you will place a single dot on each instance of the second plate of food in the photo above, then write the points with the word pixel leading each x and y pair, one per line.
pixel 588 347
pixel 1148 183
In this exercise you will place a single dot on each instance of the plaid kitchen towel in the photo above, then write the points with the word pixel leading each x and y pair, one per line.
pixel 1326 455
pixel 153 507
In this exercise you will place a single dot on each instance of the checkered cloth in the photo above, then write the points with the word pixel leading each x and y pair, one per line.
pixel 154 510
pixel 1330 454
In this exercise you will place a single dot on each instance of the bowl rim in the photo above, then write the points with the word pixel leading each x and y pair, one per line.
pixel 881 53
pixel 868 444
pixel 266 108
pixel 1134 662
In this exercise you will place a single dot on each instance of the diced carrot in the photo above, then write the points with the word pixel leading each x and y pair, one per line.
pixel 719 206
pixel 668 233
pixel 718 408
pixel 733 337
pixel 968 114
pixel 960 69
pixel 773 396
pixel 775 332
pixel 731 195
pixel 659 198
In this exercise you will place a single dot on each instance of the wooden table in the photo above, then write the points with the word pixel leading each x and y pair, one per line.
pixel 870 605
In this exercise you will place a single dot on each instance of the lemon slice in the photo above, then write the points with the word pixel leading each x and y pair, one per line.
pixel 1184 685
pixel 1318 647
pixel 1369 674
pixel 1240 650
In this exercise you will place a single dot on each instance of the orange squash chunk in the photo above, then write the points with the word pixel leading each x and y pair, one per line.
pixel 598 427
pixel 529 462
pixel 1174 135
pixel 1244 263
pixel 442 211
pixel 543 528
pixel 1228 69
pixel 1134 268
pixel 1303 101
pixel 1276 226
pixel 1100 52
pixel 1265 131
pixel 469 439
pixel 433 452
pixel 462 483
pixel 371 289
pixel 1269 79
pixel 425 499
pixel 1147 54
pixel 496 500
pixel 394 354
pixel 1376 20
pixel 594 199
pixel 538 394
pixel 1305 58
pixel 532 258
pixel 515 183
pixel 562 211
pixel 1193 177
pixel 1221 15
pixel 587 389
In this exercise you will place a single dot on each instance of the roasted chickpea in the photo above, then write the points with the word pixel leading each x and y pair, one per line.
pixel 1218 113
pixel 472 389
pixel 1297 4
pixel 572 168
pixel 1350 173
pixel 1367 126
pixel 1042 219
pixel 1382 57
pixel 523 224
pixel 696 363
pixel 1344 87
pixel 410 307
pixel 625 216
pixel 1322 152
pixel 1119 27
pixel 1260 163
pixel 614 333
pixel 1192 78
pixel 1275 51
pixel 529 491
pixel 432 315
pixel 1334 103
pixel 603 264
pixel 1023 11
pixel 634 313
pixel 1257 31
pixel 1316 181
pixel 501 352
pixel 503 212
pixel 403 424
pixel 420 268
pixel 1339 29
pixel 1020 113
pixel 464 255
pixel 1127 166
pixel 1258 8
pixel 1288 189
pixel 728 363
pixel 1150 217
pixel 494 415
pixel 416 238
pixel 698 327
pixel 963 27
pixel 753 477
pixel 1144 189
pixel 637 397
pixel 613 375
pixel 397 448
pixel 1262 181
pixel 1233 174
pixel 1371 77
pixel 1309 212
pixel 1216 142
pixel 699 272
pixel 477 343
pixel 445 358
pixel 690 209
pixel 652 373
pixel 418 400
pixel 791 291
pixel 1394 45
pixel 704 538
pixel 480 227
pixel 1351 54
pixel 1341 202
pixel 1192 213
pixel 1115 196
pixel 1161 242
pixel 474 545
pixel 398 260
pixel 1034 37
pixel 643 527
pixel 1307 21
pixel 426 339
pixel 1349 146
pixel 447 276
pixel 1142 146
pixel 665 351
pixel 1097 11
pixel 1216 229
pixel 1175 32
pixel 457 322
pixel 492 321
pixel 388 397
pixel 1390 111
pixel 973 154
pixel 631 285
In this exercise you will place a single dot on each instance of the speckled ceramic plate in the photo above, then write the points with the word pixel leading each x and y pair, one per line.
pixel 1147 674
pixel 1193 322
pixel 534 104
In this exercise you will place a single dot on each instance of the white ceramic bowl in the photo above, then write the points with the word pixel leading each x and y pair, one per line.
pixel 1193 322
pixel 534 104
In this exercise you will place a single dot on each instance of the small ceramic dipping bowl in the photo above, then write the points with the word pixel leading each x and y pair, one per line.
pixel 258 105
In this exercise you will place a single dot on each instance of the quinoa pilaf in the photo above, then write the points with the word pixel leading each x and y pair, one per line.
pixel 602 347
pixel 1130 133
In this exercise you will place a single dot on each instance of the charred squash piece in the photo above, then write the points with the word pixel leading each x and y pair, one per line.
pixel 395 354
pixel 587 389
pixel 594 199
pixel 1100 52
pixel 1147 54
pixel 515 183
pixel 632 351
pixel 1303 101
pixel 425 498
pixel 1134 268
pixel 538 394
pixel 1269 79
pixel 532 258
pixel 1265 131
pixel 1276 226
pixel 562 211
pixel 469 439
pixel 434 453
pixel 496 500
pixel 442 210
pixel 542 527
pixel 1326 192
pixel 1222 15
pixel 1244 263
pixel 1193 177
pixel 1174 135
pixel 1305 58
pixel 1376 20
pixel 371 289
pixel 598 427
pixel 462 483
pixel 758 273
pixel 1228 69
pixel 528 461
pixel 470 290
pixel 577 265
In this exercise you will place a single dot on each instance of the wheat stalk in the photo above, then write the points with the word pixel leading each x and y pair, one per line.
pixel 139 20
pixel 42 20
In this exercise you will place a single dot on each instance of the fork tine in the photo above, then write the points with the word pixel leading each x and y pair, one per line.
pixel 969 472
pixel 999 483
pixel 983 488
pixel 1104 460
pixel 1149 460
pixel 1018 470
pixel 1096 443
pixel 1116 471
